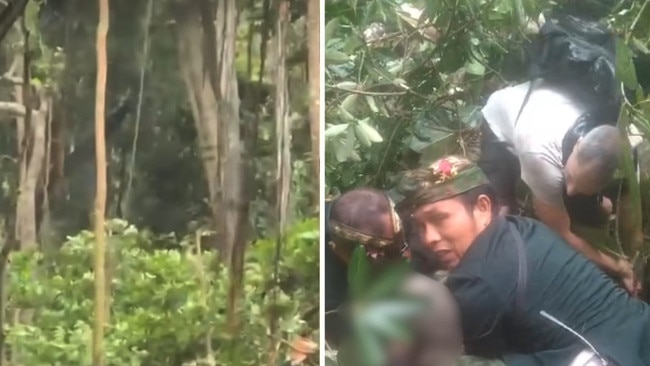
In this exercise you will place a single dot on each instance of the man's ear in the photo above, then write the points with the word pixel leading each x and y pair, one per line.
pixel 484 204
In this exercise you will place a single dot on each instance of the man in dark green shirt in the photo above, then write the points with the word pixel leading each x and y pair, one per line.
pixel 514 279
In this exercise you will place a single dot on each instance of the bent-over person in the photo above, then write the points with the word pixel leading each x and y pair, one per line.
pixel 537 132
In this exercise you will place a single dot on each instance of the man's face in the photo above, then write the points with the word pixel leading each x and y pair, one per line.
pixel 447 229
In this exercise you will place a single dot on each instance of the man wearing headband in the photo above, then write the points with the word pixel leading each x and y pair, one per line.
pixel 359 217
pixel 509 273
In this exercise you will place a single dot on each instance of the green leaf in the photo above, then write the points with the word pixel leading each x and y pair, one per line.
pixel 475 68
pixel 350 139
pixel 371 351
pixel 335 57
pixel 363 139
pixel 335 130
pixel 330 28
pixel 350 85
pixel 369 131
pixel 372 104
pixel 349 103
pixel 358 271
pixel 340 152
pixel 625 66
pixel 397 68
pixel 392 276
pixel 31 16
pixel 346 115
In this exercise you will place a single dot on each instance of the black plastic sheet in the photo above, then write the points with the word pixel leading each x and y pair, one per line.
pixel 579 55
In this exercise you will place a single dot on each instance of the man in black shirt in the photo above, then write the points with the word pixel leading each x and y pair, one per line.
pixel 511 276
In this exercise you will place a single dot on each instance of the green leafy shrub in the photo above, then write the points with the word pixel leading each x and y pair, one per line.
pixel 166 304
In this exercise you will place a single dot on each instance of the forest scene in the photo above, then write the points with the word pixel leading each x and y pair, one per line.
pixel 405 82
pixel 159 169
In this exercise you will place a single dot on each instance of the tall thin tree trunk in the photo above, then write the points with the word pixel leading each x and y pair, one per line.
pixel 100 198
pixel 313 44
pixel 283 163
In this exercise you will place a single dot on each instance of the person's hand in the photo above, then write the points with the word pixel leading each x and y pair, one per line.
pixel 628 279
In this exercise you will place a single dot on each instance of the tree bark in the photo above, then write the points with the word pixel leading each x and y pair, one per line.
pixel 201 97
pixel 100 191
pixel 211 81
pixel 283 163
pixel 313 34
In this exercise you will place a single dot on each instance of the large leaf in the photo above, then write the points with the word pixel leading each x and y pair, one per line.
pixel 336 130
pixel 625 66
pixel 358 271
pixel 368 131
pixel 392 276
pixel 371 351
pixel 335 57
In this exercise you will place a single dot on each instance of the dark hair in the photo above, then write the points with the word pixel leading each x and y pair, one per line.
pixel 361 209
pixel 470 198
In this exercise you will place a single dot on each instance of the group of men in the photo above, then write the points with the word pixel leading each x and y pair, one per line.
pixel 516 283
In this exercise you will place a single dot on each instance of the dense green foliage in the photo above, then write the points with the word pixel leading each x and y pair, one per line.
pixel 166 303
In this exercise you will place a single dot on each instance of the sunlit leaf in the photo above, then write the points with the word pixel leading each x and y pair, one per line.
pixel 369 131
pixel 340 152
pixel 474 67
pixel 347 116
pixel 347 85
pixel 361 136
pixel 350 102
pixel 335 130
pixel 397 68
pixel 372 104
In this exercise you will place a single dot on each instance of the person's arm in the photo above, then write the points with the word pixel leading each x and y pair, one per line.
pixel 546 181
pixel 558 219
pixel 482 314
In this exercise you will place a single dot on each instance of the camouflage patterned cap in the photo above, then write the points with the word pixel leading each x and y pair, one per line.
pixel 445 178
pixel 346 232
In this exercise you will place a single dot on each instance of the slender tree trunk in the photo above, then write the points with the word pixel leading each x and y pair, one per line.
pixel 313 34
pixel 100 198
pixel 283 163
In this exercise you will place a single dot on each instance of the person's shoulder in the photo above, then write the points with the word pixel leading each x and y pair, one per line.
pixel 507 95
pixel 533 230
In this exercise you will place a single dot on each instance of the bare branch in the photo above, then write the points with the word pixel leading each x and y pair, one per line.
pixel 12 108
pixel 10 80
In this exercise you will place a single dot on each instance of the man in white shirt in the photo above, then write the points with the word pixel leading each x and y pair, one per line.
pixel 528 142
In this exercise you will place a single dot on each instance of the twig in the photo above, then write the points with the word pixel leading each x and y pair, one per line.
pixel 143 69
pixel 369 93
pixel 636 20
